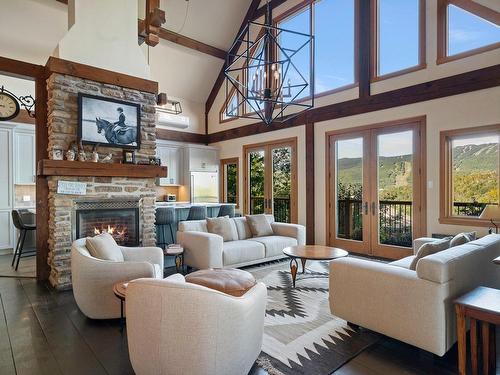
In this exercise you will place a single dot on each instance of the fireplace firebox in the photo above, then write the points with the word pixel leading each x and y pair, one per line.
pixel 118 218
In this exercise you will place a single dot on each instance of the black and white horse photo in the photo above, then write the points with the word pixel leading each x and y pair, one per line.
pixel 108 122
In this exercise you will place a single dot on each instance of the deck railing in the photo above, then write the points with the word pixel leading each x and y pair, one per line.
pixel 281 208
pixel 395 219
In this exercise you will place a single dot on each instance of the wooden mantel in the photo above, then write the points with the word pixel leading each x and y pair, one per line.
pixel 48 167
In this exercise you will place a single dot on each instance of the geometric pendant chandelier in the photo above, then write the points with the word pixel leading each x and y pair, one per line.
pixel 272 73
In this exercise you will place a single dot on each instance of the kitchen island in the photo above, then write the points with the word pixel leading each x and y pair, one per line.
pixel 181 214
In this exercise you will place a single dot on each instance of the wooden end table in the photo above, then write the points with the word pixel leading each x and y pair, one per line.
pixel 311 252
pixel 176 251
pixel 481 304
pixel 120 291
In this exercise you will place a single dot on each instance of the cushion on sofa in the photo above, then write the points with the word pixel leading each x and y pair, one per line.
pixel 241 251
pixel 193 226
pixel 259 225
pixel 275 244
pixel 430 248
pixel 104 247
pixel 462 238
pixel 224 227
pixel 242 227
pixel 404 262
pixel 230 281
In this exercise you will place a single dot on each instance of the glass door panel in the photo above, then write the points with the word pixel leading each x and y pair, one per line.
pixel 256 168
pixel 394 194
pixel 349 193
pixel 282 183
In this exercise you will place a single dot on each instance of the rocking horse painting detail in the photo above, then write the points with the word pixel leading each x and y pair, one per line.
pixel 109 122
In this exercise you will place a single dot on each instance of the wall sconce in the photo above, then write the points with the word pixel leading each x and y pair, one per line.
pixel 168 105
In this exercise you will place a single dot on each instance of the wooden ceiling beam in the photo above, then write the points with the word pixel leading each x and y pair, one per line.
pixel 254 5
pixel 262 10
pixel 20 69
pixel 191 43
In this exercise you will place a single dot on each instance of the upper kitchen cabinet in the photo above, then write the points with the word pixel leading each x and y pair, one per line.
pixel 24 158
pixel 171 157
pixel 201 159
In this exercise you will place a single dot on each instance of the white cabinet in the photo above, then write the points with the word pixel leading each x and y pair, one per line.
pixel 24 158
pixel 172 158
pixel 201 159
pixel 6 191
pixel 6 232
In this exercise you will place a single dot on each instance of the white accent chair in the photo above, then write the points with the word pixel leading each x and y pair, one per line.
pixel 93 278
pixel 203 250
pixel 415 307
pixel 175 327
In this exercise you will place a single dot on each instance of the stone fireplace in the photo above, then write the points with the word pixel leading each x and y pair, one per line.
pixel 124 204
pixel 119 218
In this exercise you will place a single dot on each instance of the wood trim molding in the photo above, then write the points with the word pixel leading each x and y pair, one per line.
pixel 442 25
pixel 260 12
pixel 20 69
pixel 191 43
pixel 445 184
pixel 24 118
pixel 220 78
pixel 453 85
pixel 223 162
pixel 310 186
pixel 364 48
pixel 174 135
pixel 56 65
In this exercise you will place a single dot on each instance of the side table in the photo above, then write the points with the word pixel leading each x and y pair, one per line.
pixel 120 291
pixel 176 251
pixel 479 305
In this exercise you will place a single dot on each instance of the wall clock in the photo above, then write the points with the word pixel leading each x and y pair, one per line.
pixel 9 106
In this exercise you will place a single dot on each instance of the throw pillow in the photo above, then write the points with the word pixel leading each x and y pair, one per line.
pixel 224 227
pixel 462 238
pixel 430 248
pixel 259 225
pixel 104 247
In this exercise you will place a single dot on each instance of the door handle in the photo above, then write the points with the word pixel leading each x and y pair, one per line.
pixel 373 208
pixel 365 208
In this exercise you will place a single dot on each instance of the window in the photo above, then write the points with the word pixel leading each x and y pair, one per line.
pixel 231 107
pixel 465 29
pixel 470 170
pixel 399 37
pixel 334 44
pixel 230 181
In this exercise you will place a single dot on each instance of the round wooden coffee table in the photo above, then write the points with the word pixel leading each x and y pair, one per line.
pixel 311 252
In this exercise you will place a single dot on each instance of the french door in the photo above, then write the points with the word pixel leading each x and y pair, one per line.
pixel 375 189
pixel 270 179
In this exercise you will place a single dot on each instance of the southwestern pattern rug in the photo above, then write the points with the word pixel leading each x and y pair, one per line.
pixel 301 336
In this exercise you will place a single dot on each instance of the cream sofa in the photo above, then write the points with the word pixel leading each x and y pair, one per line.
pixel 207 250
pixel 413 306
pixel 93 278
pixel 175 327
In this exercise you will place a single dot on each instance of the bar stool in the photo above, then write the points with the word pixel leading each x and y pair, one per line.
pixel 17 218
pixel 197 213
pixel 165 217
pixel 226 210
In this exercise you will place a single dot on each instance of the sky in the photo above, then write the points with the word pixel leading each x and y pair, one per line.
pixel 393 144
pixel 398 40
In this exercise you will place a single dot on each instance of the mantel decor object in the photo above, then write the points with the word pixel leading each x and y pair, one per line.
pixel 274 75
pixel 129 157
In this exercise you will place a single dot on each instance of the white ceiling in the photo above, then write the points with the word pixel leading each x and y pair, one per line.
pixel 213 22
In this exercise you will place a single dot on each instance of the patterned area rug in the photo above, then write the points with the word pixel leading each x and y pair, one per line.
pixel 301 336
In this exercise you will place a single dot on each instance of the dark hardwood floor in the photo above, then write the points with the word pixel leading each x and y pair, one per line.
pixel 43 332
pixel 27 267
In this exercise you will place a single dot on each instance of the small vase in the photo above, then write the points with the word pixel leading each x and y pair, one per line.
pixel 70 155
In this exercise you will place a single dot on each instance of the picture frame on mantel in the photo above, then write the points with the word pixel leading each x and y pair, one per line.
pixel 108 122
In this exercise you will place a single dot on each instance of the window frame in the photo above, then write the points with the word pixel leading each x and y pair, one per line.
pixel 445 183
pixel 442 28
pixel 374 44
pixel 223 163
pixel 227 100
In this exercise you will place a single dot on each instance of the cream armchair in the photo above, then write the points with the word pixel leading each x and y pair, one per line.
pixel 93 278
pixel 175 327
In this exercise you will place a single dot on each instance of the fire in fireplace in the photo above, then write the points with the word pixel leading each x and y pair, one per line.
pixel 118 218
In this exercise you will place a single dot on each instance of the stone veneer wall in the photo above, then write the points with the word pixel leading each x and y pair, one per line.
pixel 62 129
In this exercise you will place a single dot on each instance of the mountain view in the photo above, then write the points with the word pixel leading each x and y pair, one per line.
pixel 475 177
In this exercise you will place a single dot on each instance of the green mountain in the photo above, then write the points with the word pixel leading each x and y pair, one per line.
pixel 474 166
